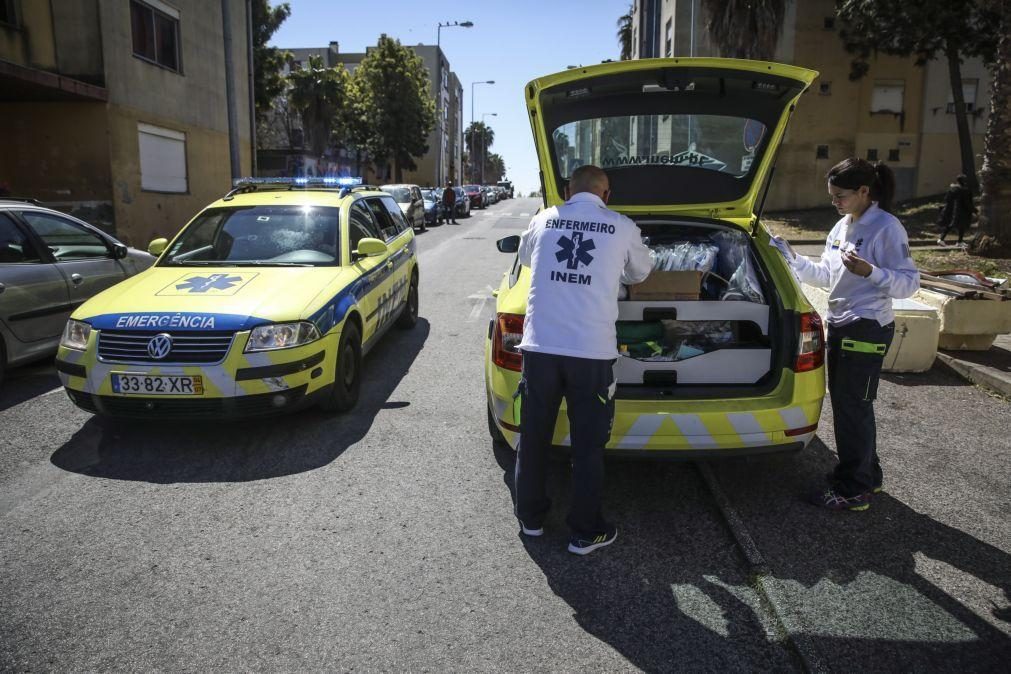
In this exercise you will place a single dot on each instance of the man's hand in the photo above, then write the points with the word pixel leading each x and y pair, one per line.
pixel 856 264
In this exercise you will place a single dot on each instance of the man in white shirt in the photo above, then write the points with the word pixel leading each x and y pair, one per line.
pixel 579 254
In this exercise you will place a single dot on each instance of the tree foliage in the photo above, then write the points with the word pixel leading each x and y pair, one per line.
pixel 744 29
pixel 995 176
pixel 624 34
pixel 478 138
pixel 925 29
pixel 396 99
pixel 321 96
pixel 268 62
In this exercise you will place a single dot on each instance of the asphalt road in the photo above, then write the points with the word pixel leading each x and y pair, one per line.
pixel 384 540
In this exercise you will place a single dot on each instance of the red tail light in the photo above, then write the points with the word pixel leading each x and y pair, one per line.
pixel 811 343
pixel 504 341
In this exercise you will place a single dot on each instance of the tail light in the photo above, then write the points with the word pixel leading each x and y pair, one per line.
pixel 505 339
pixel 811 343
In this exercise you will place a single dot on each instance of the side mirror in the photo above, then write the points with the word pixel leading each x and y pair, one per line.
pixel 157 247
pixel 119 251
pixel 510 244
pixel 370 248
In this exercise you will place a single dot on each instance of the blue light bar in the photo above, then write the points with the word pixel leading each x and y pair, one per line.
pixel 301 181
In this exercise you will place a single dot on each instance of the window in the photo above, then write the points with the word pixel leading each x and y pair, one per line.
pixel 393 210
pixel 872 154
pixel 968 95
pixel 829 23
pixel 162 159
pixel 825 89
pixel 155 28
pixel 887 96
pixel 67 240
pixel 14 244
pixel 360 225
pixel 668 43
pixel 386 224
pixel 821 152
pixel 7 13
pixel 893 154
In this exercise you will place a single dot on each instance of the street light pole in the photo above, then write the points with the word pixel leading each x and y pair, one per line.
pixel 438 91
pixel 473 138
pixel 484 141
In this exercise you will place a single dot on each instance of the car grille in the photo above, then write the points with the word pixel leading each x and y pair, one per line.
pixel 187 347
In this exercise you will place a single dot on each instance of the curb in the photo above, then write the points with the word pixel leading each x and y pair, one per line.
pixel 976 374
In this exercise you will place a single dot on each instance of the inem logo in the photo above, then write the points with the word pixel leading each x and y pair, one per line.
pixel 208 284
pixel 575 250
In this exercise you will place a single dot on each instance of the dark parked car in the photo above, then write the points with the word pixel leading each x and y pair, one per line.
pixel 434 210
pixel 50 263
pixel 463 202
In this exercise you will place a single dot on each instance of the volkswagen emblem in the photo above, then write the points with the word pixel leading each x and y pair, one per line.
pixel 159 346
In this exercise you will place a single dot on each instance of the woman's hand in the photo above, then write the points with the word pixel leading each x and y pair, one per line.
pixel 856 264
pixel 784 247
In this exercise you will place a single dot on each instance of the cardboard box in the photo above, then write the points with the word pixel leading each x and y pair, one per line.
pixel 668 285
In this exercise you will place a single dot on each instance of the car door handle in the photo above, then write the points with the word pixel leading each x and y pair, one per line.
pixel 76 279
pixel 389 265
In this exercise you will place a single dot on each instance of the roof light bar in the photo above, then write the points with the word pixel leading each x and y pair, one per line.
pixel 301 181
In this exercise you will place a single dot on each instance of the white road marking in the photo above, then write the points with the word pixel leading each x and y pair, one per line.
pixel 480 298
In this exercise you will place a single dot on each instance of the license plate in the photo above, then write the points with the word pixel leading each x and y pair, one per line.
pixel 156 385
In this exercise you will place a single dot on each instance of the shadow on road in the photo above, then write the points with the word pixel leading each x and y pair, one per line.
pixel 241 450
pixel 26 382
pixel 937 375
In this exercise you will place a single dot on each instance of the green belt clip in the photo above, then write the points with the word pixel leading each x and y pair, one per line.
pixel 864 347
pixel 517 406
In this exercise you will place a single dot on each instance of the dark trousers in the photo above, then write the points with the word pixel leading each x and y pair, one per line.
pixel 853 385
pixel 586 386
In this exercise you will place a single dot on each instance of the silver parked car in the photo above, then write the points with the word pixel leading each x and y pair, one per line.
pixel 50 263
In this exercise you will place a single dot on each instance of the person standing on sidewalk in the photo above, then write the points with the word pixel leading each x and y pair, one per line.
pixel 449 202
pixel 579 253
pixel 957 211
pixel 865 264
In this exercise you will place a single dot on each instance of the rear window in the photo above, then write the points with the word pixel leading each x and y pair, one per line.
pixel 402 195
pixel 259 236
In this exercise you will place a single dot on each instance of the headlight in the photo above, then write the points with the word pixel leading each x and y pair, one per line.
pixel 281 336
pixel 75 335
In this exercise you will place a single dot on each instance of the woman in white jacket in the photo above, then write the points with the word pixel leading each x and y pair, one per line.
pixel 865 264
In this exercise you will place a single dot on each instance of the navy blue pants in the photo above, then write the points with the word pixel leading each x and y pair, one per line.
pixel 853 386
pixel 586 385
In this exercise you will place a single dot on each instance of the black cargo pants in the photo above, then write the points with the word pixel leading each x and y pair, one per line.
pixel 587 386
pixel 856 352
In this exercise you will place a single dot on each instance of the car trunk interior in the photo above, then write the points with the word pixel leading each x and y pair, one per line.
pixel 707 322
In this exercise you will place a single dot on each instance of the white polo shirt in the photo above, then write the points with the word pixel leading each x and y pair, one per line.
pixel 579 254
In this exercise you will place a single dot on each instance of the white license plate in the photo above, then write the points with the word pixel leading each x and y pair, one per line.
pixel 156 385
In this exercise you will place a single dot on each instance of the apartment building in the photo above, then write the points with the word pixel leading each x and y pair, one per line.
pixel 899 113
pixel 117 111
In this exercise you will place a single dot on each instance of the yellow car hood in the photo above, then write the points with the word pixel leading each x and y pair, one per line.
pixel 215 298
pixel 635 119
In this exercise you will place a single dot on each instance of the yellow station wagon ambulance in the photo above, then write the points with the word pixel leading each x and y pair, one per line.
pixel 720 353
pixel 266 301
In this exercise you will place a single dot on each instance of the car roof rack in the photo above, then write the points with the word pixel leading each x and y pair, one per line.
pixel 324 183
pixel 27 200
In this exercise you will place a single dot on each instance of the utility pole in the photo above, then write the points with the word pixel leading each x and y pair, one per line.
pixel 233 119
pixel 484 141
pixel 473 138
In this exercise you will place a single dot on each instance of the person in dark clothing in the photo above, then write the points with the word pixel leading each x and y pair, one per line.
pixel 449 202
pixel 957 211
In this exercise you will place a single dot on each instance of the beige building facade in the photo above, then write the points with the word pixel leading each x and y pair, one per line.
pixel 117 112
pixel 899 113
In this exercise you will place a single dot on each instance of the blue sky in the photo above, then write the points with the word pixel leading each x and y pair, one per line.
pixel 512 42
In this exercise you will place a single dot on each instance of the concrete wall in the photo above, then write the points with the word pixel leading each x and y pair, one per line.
pixel 78 33
pixel 32 42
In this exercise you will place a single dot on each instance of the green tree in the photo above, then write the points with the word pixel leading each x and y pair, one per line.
pixel 624 34
pixel 995 175
pixel 926 29
pixel 478 137
pixel 319 95
pixel 744 29
pixel 396 98
pixel 494 168
pixel 268 83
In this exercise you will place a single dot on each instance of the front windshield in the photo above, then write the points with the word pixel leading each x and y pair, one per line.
pixel 429 195
pixel 471 188
pixel 258 235
pixel 401 195
pixel 702 142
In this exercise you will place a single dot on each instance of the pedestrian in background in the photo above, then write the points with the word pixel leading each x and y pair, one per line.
pixel 449 202
pixel 957 211
pixel 865 264
pixel 579 253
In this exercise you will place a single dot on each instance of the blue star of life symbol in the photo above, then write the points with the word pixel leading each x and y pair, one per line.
pixel 575 250
pixel 201 284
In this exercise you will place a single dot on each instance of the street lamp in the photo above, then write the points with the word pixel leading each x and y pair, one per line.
pixel 438 88
pixel 484 141
pixel 473 139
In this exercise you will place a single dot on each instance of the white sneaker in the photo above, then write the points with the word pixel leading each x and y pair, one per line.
pixel 529 531
pixel 942 243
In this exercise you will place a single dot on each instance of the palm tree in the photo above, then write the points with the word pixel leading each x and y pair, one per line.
pixel 745 29
pixel 316 93
pixel 624 34
pixel 995 176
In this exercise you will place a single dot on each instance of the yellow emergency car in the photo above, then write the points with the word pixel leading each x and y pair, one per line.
pixel 264 302
pixel 720 354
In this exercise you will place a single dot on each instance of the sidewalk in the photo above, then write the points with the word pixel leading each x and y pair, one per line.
pixel 990 369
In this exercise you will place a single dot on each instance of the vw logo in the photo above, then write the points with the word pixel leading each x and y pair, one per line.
pixel 159 346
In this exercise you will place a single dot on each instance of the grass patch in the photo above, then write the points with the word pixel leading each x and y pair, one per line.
pixel 952 258
pixel 919 216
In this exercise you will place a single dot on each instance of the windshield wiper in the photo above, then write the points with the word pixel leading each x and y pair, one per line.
pixel 268 263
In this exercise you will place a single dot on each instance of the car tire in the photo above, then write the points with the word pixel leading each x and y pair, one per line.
pixel 497 439
pixel 348 372
pixel 409 315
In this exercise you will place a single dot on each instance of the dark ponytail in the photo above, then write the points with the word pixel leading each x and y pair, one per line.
pixel 853 173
